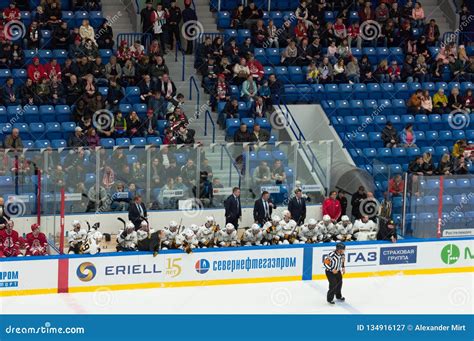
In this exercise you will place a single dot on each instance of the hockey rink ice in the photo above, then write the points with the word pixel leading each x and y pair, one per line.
pixel 420 294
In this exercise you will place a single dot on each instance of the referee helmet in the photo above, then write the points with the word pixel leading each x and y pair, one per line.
pixel 340 246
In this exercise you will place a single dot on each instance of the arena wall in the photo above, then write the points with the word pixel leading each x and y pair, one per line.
pixel 172 268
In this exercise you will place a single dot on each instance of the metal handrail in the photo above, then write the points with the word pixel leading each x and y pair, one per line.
pixel 131 37
pixel 300 137
pixel 206 115
pixel 192 81
pixel 183 69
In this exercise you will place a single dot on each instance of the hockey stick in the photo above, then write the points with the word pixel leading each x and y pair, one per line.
pixel 123 222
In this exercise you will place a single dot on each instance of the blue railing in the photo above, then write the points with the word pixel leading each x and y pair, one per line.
pixel 298 134
pixel 130 38
pixel 183 69
pixel 232 162
pixel 206 115
pixel 192 82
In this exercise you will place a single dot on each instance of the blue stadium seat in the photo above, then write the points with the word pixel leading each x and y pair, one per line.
pixel 138 141
pixel 105 55
pixel 375 139
pixel 370 153
pixel 62 111
pixel 31 113
pixel 375 90
pixel 346 91
pixel 357 107
pixel 360 91
pixel 399 154
pixel 264 124
pixel 122 142
pixel 273 56
pixel 53 130
pixel 155 141
pixel 384 153
pixel 79 16
pixel 58 144
pixel 107 143
pixel 96 18
pixel 48 113
pixel 402 90
pixel 261 56
pixel 440 150
pixel 37 130
pixel 42 144
pixel 422 122
pixel 304 91
pixel 68 127
pixel 399 107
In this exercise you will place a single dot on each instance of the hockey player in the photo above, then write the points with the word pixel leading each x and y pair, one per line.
pixel 253 236
pixel 10 241
pixel 289 231
pixel 170 235
pixel 144 236
pixel 344 229
pixel 228 236
pixel 36 243
pixel 194 228
pixel 326 229
pixel 207 236
pixel 272 231
pixel 186 241
pixel 365 229
pixel 76 237
pixel 309 233
pixel 91 245
pixel 127 239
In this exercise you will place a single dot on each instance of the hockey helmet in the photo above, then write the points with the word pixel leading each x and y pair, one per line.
pixel 194 228
pixel 143 224
pixel 275 219
pixel 291 224
pixel 312 223
pixel 345 218
pixel 173 223
pixel 255 228
pixel 326 218
pixel 286 214
pixel 229 228
pixel 189 233
pixel 130 225
pixel 76 223
pixel 210 219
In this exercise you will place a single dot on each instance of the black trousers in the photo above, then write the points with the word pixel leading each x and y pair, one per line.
pixel 335 285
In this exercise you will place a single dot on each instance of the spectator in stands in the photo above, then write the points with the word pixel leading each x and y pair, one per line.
pixel 242 135
pixel 150 125
pixel 33 36
pixel 113 69
pixel 93 139
pixel 258 108
pixel 259 134
pixel 276 87
pixel 408 137
pixel 353 70
pixel 455 101
pixel 312 73
pixel 326 72
pixel 315 50
pixel 86 31
pixel 236 17
pixel 381 73
pixel 157 104
pixel 418 16
pixel 56 92
pixel 458 148
pixel 209 75
pixel 431 32
pixel 231 110
pixel 428 165
pixel 290 54
pixel 77 139
pixel 278 173
pixel 255 68
pixel 147 86
pixel 251 14
pixel 366 73
pixel 460 166
pixel 421 69
pixel 120 198
pixel 173 21
pixel 16 57
pixel 440 102
pixel 396 186
pixel 185 135
pixel 13 141
pixel 158 68
pixel 9 92
pixel 394 72
pixel 188 173
pixel 272 35
pixel 444 165
pixel 128 74
pixel 147 17
pixel 407 71
pixel 105 36
pixel 468 101
pixel 259 34
pixel 382 13
pixel 332 207
pixel 414 102
pixel 42 91
pixel 134 125
pixel 426 102
pixel 262 174
pixel 340 72
pixel 249 89
pixel 167 87
pixel 390 136
pixel 36 71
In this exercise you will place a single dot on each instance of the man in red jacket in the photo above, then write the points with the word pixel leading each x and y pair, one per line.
pixel 9 242
pixel 36 71
pixel 255 67
pixel 332 207
pixel 11 13
pixel 37 245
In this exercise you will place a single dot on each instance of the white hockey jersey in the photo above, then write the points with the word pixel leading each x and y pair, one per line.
pixel 308 235
pixel 92 242
pixel 271 232
pixel 181 240
pixel 129 242
pixel 76 237
pixel 169 237
pixel 141 235
pixel 326 232
pixel 251 238
pixel 206 235
pixel 365 231
pixel 226 239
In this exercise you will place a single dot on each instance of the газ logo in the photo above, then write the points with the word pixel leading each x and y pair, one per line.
pixel 202 266
pixel 450 254
pixel 86 272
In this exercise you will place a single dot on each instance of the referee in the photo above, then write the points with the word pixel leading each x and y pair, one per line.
pixel 335 268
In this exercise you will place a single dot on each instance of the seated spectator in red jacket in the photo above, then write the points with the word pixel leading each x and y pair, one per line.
pixel 36 71
pixel 255 67
pixel 395 186
pixel 332 207
pixel 53 69
pixel 11 13
pixel 394 72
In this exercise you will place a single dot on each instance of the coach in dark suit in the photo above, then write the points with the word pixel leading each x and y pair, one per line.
pixel 297 207
pixel 233 209
pixel 262 209
pixel 136 211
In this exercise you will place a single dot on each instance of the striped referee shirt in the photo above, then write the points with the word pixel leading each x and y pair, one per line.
pixel 334 261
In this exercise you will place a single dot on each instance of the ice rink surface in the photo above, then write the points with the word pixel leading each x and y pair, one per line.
pixel 420 294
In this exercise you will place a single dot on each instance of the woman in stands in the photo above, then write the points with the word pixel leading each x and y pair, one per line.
pixel 428 165
pixel 440 102
pixel 241 72
pixel 455 101
pixel 418 16
pixel 290 54
pixel 426 103
pixel 217 49
pixel 340 72
pixel 381 74
pixel 389 34
pixel 421 69
pixel 407 70
pixel 468 101
pixel 445 165
pixel 236 17
pixel 407 137
pixel 325 72
pixel 272 34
